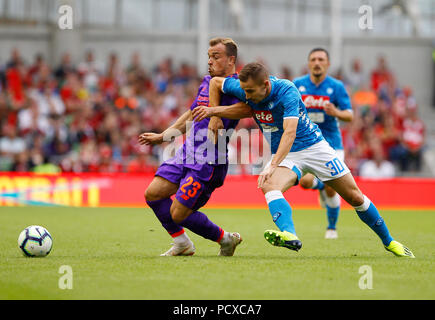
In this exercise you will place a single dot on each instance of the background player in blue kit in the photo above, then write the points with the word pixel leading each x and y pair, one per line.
pixel 327 102
pixel 297 147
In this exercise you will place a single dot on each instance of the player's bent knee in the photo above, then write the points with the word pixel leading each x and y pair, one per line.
pixel 179 214
pixel 151 194
pixel 269 187
pixel 305 183
pixel 356 198
pixel 178 217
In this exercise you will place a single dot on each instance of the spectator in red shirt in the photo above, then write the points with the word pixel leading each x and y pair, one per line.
pixel 142 163
pixel 381 74
pixel 413 139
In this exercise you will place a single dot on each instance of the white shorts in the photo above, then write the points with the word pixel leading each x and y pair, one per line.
pixel 319 159
pixel 340 154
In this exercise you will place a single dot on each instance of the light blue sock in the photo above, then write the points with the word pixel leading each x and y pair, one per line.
pixel 280 210
pixel 332 214
pixel 317 184
pixel 332 209
pixel 368 213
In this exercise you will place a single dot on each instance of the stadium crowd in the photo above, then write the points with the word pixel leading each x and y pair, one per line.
pixel 86 117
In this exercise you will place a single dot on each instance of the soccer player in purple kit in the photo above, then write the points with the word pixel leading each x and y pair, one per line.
pixel 197 169
pixel 327 102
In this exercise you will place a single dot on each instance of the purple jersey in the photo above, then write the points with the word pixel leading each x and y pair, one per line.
pixel 197 152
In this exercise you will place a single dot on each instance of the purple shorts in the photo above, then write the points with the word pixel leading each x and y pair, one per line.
pixel 195 187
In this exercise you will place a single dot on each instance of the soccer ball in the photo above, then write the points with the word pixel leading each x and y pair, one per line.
pixel 35 241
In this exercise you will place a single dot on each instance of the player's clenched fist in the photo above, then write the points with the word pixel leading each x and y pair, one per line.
pixel 330 109
pixel 149 138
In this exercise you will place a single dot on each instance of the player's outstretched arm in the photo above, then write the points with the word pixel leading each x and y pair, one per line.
pixel 215 123
pixel 236 111
pixel 175 130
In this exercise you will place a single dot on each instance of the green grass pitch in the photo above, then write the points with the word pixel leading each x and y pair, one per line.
pixel 114 254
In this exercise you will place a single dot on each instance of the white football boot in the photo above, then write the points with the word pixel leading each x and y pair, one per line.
pixel 229 243
pixel 184 249
pixel 331 234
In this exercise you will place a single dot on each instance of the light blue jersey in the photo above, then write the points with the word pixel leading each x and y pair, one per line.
pixel 284 101
pixel 315 97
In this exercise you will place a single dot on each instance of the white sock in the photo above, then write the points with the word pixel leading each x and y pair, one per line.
pixel 226 237
pixel 273 195
pixel 181 239
pixel 365 205
pixel 334 201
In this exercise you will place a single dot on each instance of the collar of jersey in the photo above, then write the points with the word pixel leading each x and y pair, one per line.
pixel 318 85
pixel 234 75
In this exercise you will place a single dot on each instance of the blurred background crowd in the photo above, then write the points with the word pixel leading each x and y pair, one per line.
pixel 86 117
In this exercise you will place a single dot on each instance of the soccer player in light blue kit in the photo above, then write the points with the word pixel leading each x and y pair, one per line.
pixel 297 147
pixel 327 102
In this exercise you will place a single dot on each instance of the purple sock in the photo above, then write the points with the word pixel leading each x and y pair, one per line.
pixel 199 223
pixel 162 210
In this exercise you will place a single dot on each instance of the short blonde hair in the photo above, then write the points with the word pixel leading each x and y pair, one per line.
pixel 230 45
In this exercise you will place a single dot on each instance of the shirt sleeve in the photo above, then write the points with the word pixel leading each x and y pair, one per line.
pixel 343 98
pixel 296 83
pixel 231 86
pixel 290 100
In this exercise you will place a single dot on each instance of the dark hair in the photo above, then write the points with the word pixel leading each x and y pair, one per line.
pixel 254 70
pixel 317 50
pixel 230 45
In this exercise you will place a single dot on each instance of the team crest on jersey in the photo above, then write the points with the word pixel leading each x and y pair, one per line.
pixel 271 105
pixel 329 91
pixel 263 116
pixel 302 89
pixel 315 102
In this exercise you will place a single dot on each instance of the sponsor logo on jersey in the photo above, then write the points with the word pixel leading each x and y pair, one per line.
pixel 315 102
pixel 264 116
pixel 268 128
